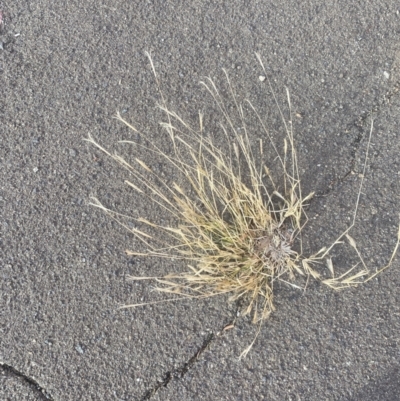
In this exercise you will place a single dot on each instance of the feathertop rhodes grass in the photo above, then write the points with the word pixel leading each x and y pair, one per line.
pixel 237 226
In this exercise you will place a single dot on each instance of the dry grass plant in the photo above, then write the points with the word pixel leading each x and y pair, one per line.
pixel 238 230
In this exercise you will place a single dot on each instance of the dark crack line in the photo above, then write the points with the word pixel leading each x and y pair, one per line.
pixel 359 124
pixel 179 372
pixel 28 380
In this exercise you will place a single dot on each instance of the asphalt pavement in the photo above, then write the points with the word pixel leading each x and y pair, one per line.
pixel 66 67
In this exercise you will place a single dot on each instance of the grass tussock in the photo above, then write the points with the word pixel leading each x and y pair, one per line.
pixel 237 227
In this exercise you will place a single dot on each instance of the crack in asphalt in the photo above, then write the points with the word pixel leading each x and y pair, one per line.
pixel 33 384
pixel 179 372
pixel 359 124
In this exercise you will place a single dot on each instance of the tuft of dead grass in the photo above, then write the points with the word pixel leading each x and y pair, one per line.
pixel 236 226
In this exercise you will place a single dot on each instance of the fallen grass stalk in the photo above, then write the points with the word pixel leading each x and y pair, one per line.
pixel 237 228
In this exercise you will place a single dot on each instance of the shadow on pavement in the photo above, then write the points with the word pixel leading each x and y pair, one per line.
pixel 383 388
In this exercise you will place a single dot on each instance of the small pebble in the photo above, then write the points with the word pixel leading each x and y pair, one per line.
pixel 261 78
pixel 79 349
pixel 386 74
pixel 72 152
pixel 35 169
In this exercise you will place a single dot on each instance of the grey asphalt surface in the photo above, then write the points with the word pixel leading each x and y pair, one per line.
pixel 65 69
